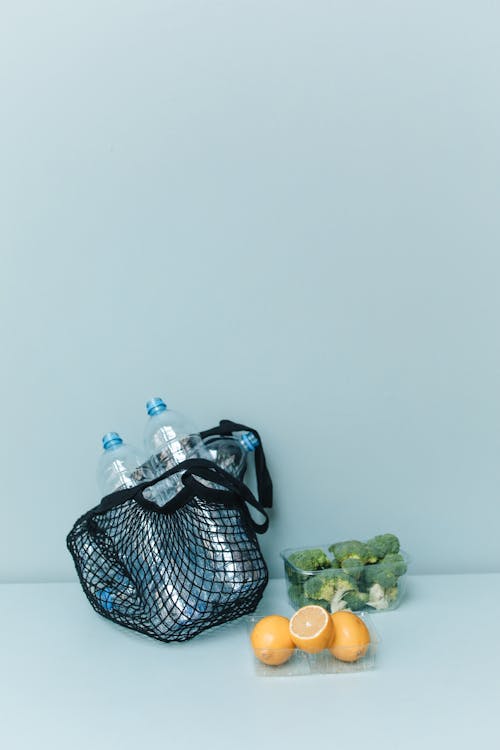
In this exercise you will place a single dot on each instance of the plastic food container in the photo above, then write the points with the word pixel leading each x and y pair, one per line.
pixel 373 590
pixel 302 663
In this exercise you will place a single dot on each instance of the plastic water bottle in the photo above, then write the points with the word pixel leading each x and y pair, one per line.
pixel 120 465
pixel 230 453
pixel 169 439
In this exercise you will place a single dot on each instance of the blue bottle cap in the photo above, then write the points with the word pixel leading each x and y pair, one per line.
pixel 110 440
pixel 155 406
pixel 105 596
pixel 249 441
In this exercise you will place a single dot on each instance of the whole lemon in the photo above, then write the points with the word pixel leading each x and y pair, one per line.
pixel 271 640
pixel 351 637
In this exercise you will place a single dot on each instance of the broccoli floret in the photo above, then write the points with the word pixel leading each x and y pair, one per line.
pixel 386 571
pixel 396 562
pixel 355 600
pixel 350 550
pixel 381 574
pixel 319 586
pixel 298 599
pixel 309 559
pixel 329 585
pixel 353 568
pixel 381 598
pixel 381 580
pixel 381 545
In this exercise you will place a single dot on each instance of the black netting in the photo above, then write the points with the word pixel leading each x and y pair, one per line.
pixel 175 571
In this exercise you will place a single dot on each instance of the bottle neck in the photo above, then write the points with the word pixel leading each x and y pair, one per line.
pixel 248 441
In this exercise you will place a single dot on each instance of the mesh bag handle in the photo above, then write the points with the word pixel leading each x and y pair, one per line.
pixel 235 490
pixel 211 473
pixel 264 483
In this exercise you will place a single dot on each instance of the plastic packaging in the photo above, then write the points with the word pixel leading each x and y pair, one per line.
pixel 169 439
pixel 230 453
pixel 302 663
pixel 374 596
pixel 120 465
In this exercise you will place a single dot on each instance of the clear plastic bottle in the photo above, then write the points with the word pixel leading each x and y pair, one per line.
pixel 120 465
pixel 230 453
pixel 169 439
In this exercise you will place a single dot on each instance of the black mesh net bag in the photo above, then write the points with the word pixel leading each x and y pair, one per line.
pixel 175 570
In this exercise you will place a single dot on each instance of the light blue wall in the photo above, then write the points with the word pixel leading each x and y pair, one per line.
pixel 285 213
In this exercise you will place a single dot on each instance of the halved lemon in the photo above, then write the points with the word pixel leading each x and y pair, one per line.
pixel 311 628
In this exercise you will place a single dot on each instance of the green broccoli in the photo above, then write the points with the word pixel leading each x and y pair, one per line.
pixel 309 559
pixel 350 550
pixel 381 580
pixel 298 599
pixel 354 568
pixel 355 600
pixel 380 573
pixel 381 598
pixel 359 575
pixel 396 562
pixel 380 546
pixel 296 596
pixel 329 585
pixel 305 560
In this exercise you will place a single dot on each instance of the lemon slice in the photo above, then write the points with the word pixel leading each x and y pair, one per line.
pixel 311 629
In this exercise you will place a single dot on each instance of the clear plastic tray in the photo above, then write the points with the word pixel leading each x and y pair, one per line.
pixel 302 663
pixel 296 578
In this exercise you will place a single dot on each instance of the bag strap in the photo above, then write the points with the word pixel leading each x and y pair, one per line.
pixel 193 467
pixel 218 476
pixel 264 482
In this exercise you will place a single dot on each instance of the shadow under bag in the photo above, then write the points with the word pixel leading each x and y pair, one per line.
pixel 171 572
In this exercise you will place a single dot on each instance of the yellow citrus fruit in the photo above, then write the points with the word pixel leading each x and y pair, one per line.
pixel 311 628
pixel 271 640
pixel 351 637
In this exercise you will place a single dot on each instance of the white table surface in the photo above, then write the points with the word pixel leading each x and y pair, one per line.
pixel 70 679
